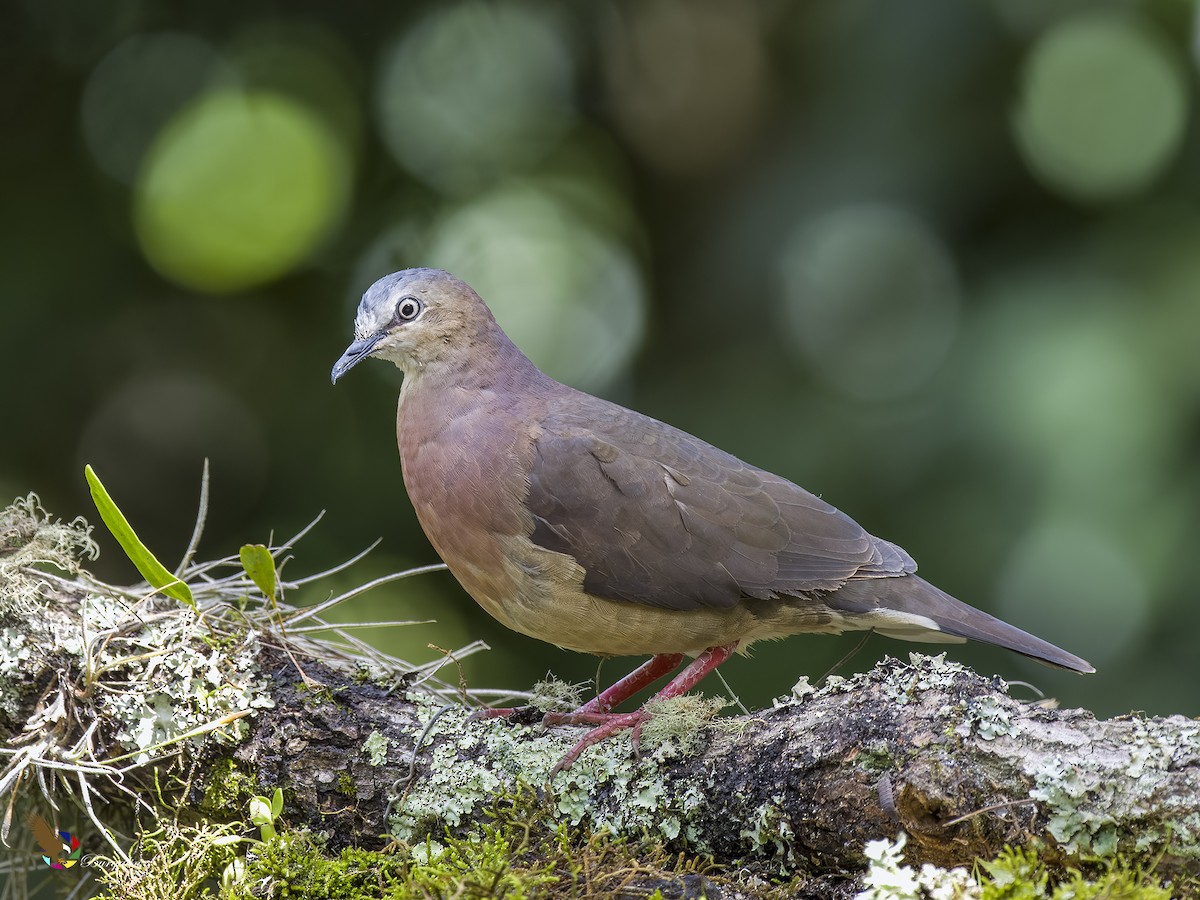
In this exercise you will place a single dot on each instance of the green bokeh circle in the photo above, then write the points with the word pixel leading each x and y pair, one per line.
pixel 1103 107
pixel 237 189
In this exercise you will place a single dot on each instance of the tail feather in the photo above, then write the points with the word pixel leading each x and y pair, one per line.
pixel 911 608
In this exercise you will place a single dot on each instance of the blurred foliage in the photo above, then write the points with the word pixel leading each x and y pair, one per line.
pixel 937 261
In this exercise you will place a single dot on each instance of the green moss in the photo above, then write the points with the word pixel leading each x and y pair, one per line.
pixel 345 785
pixel 1016 874
pixel 295 866
pixel 1020 874
pixel 316 694
pixel 228 788
pixel 516 851
pixel 876 758
pixel 169 863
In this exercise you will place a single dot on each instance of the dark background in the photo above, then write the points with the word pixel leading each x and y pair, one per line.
pixel 937 261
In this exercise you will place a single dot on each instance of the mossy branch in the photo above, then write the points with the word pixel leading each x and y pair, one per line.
pixel 93 678
pixel 926 747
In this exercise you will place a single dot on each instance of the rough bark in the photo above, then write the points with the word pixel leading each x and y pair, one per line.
pixel 98 685
pixel 928 747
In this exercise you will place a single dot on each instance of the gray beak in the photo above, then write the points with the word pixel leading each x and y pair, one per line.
pixel 355 353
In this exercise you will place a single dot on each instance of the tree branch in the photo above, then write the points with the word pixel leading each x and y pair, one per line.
pixel 928 747
pixel 103 689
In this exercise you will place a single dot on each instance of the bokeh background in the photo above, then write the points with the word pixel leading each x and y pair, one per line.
pixel 937 261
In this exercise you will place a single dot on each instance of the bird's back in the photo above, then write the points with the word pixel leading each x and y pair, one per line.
pixel 659 516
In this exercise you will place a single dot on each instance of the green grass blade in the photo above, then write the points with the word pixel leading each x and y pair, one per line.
pixel 155 573
pixel 260 566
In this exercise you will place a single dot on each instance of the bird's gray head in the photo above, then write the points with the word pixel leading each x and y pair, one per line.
pixel 414 318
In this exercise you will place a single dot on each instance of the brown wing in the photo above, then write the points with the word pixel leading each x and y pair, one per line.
pixel 657 516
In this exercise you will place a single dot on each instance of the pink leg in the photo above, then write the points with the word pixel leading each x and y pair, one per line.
pixel 622 690
pixel 610 723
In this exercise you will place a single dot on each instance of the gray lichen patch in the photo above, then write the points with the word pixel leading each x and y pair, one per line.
pixel 153 670
pixel 555 695
pixel 900 684
pixel 772 828
pixel 1089 807
pixel 988 718
pixel 183 684
pixel 473 762
pixel 376 747
pixel 16 655
pixel 154 673
pixel 31 540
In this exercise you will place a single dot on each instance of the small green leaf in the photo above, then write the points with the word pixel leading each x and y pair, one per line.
pixel 260 811
pixel 155 573
pixel 233 873
pixel 277 803
pixel 260 566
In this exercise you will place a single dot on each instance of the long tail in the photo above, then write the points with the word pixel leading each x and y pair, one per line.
pixel 910 608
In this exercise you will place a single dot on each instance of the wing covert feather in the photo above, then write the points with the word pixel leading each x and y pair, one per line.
pixel 657 516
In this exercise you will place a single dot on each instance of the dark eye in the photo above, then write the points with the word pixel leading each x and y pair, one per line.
pixel 408 309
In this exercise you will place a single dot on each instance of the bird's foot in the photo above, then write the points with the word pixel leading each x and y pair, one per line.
pixel 582 716
pixel 609 724
pixel 643 675
pixel 596 711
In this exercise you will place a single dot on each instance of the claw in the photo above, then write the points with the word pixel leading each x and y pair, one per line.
pixel 581 716
pixel 596 711
pixel 613 722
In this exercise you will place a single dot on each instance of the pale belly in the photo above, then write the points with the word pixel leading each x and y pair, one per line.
pixel 540 594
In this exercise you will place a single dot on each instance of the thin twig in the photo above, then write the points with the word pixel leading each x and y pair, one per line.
pixel 311 611
pixel 201 516
pixel 104 832
pixel 1024 801
pixel 84 883
pixel 308 579
pixel 302 532
pixel 340 625
pixel 737 701
pixel 845 659
pixel 406 780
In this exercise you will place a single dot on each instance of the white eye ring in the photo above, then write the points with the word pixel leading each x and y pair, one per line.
pixel 408 309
